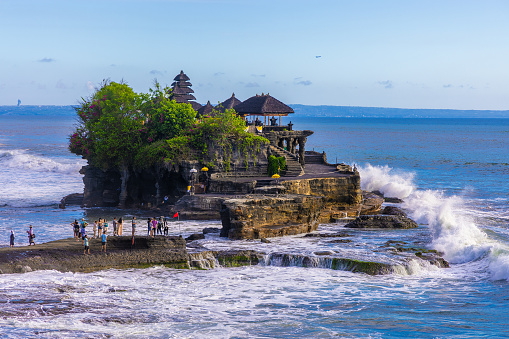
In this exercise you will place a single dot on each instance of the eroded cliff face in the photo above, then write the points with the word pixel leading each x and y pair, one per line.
pixel 145 188
pixel 255 217
pixel 165 184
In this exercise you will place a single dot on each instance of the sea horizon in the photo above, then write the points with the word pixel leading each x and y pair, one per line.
pixel 333 111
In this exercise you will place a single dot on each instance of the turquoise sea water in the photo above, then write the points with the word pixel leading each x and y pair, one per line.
pixel 453 175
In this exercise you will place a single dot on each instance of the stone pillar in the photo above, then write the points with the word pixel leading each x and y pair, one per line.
pixel 294 145
pixel 281 143
pixel 302 144
pixel 289 145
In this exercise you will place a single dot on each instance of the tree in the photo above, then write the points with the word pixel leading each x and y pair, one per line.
pixel 166 118
pixel 110 130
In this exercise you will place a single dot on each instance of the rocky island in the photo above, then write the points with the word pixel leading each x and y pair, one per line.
pixel 235 162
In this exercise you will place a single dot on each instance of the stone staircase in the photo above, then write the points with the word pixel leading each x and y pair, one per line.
pixel 264 182
pixel 312 157
pixel 293 167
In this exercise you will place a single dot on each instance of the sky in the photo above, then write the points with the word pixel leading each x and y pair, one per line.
pixel 373 53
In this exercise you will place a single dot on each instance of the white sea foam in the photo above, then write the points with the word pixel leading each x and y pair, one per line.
pixel 386 180
pixel 37 180
pixel 22 160
pixel 452 225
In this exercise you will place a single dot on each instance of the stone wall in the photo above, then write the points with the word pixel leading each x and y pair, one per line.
pixel 342 189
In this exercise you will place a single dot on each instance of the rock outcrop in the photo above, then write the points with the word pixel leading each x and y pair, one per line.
pixel 66 255
pixel 255 217
pixel 382 221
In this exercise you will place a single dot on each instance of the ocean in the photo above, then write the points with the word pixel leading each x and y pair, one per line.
pixel 452 173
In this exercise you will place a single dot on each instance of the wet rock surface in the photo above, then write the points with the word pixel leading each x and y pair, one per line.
pixel 382 221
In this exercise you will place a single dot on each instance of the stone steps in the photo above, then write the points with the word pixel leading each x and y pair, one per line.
pixel 293 167
pixel 263 182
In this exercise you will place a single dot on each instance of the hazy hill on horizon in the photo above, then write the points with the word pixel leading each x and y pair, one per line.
pixel 300 110
pixel 386 112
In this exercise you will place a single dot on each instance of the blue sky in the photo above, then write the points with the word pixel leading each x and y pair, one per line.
pixel 401 53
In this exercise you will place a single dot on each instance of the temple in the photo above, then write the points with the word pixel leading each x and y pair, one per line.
pixel 263 115
pixel 181 91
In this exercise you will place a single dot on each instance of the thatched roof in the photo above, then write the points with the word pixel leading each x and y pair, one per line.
pixel 182 97
pixel 181 77
pixel 181 84
pixel 206 109
pixel 263 105
pixel 196 106
pixel 182 90
pixel 228 103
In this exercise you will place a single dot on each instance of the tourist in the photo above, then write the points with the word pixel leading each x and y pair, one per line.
pixel 83 231
pixel 165 226
pixel 76 228
pixel 12 238
pixel 120 226
pixel 99 228
pixel 154 226
pixel 160 226
pixel 87 247
pixel 103 242
pixel 149 224
pixel 31 236
pixel 133 226
pixel 95 229
pixel 105 226
pixel 114 222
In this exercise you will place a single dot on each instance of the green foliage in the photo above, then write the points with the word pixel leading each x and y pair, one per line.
pixel 110 128
pixel 166 118
pixel 118 128
pixel 275 165
pixel 282 163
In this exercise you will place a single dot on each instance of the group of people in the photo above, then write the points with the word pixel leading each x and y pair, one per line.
pixel 155 226
pixel 31 237
pixel 100 229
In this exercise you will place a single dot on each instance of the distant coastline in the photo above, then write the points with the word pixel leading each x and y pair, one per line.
pixel 386 112
pixel 304 111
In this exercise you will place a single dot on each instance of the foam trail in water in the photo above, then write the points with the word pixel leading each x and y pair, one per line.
pixel 386 180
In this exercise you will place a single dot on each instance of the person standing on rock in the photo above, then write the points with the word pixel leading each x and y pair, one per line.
pixel 154 226
pixel 133 226
pixel 76 228
pixel 83 232
pixel 160 226
pixel 165 226
pixel 120 226
pixel 12 238
pixel 114 222
pixel 149 224
pixel 105 226
pixel 31 236
pixel 87 246
pixel 103 242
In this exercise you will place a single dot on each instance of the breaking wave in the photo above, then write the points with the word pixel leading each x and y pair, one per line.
pixel 387 181
pixel 20 159
pixel 453 228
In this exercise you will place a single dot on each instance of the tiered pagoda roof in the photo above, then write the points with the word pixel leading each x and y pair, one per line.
pixel 181 91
